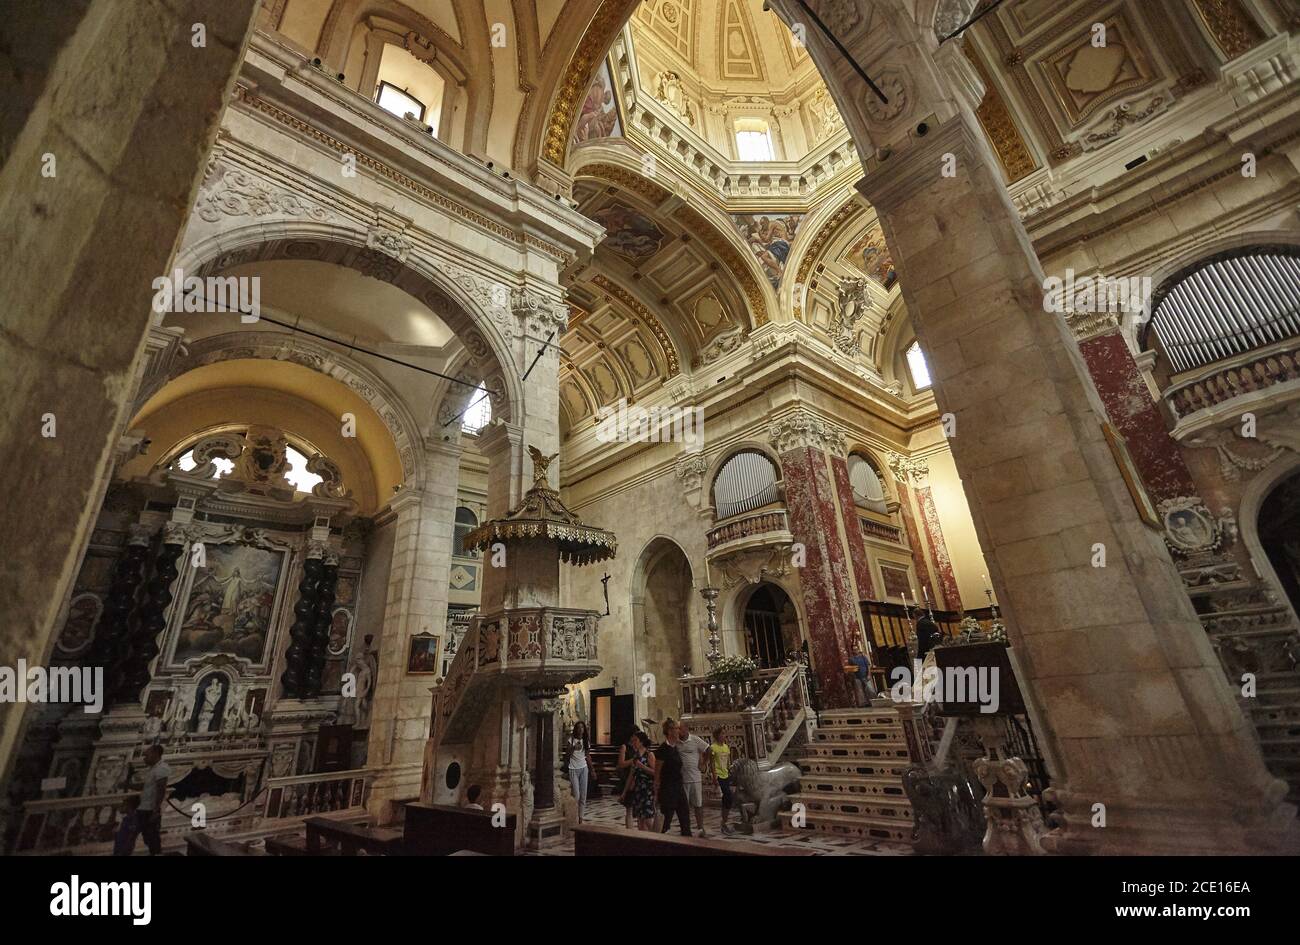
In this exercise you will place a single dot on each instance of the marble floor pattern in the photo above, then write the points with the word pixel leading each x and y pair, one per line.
pixel 608 812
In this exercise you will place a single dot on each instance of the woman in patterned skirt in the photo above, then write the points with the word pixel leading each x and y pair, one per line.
pixel 641 785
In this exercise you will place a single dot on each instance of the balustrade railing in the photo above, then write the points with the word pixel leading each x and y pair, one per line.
pixel 60 824
pixel 751 525
pixel 874 529
pixel 1243 374
pixel 760 716
pixel 307 794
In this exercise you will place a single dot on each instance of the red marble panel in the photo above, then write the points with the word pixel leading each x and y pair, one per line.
pixel 1136 417
pixel 938 549
pixel 905 494
pixel 852 528
pixel 824 577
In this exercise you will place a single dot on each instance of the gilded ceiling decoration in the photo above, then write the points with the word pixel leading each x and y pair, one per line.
pixel 1003 133
pixel 591 50
pixel 1235 32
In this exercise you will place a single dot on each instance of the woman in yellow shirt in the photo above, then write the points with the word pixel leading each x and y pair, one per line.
pixel 720 772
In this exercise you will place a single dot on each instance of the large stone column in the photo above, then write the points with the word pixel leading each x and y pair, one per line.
pixel 808 447
pixel 107 123
pixel 417 603
pixel 1132 708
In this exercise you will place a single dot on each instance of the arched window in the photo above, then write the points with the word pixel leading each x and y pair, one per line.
pixel 865 480
pixel 303 481
pixel 466 522
pixel 407 85
pixel 1228 305
pixel 753 140
pixel 745 482
pixel 920 371
pixel 479 413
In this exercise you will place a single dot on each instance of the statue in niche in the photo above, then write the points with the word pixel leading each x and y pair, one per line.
pixel 364 668
pixel 209 703
pixel 669 90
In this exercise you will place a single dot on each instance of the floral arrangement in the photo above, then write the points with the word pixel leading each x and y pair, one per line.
pixel 732 669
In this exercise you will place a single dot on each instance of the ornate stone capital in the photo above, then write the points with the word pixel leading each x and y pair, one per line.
pixel 691 468
pixel 1087 325
pixel 910 468
pixel 538 313
pixel 803 429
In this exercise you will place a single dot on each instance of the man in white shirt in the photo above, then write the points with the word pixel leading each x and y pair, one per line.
pixel 694 752
pixel 148 816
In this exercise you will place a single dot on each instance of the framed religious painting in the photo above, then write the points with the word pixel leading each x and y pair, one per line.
pixel 422 656
pixel 228 604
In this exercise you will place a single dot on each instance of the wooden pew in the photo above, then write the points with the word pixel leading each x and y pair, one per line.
pixel 351 839
pixel 618 841
pixel 439 830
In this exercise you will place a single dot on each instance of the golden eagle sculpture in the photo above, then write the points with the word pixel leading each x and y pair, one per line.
pixel 541 462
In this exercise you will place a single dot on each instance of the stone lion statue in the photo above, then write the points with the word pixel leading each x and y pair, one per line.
pixel 760 795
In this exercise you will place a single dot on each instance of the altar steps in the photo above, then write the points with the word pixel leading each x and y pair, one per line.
pixel 1275 713
pixel 852 777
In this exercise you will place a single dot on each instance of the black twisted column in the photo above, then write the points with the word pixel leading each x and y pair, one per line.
pixel 142 643
pixel 294 676
pixel 320 637
pixel 110 634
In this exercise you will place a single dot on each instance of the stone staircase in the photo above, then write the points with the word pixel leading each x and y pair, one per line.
pixel 1275 713
pixel 852 773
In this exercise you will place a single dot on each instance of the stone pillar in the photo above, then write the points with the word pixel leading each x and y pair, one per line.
pixel 417 603
pixel 807 445
pixel 857 545
pixel 921 521
pixel 108 121
pixel 1132 709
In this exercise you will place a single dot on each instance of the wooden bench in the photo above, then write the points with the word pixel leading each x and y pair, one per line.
pixel 351 839
pixel 201 843
pixel 439 830
pixel 618 841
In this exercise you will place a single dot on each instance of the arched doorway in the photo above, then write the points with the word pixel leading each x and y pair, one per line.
pixel 1279 534
pixel 771 625
pixel 663 638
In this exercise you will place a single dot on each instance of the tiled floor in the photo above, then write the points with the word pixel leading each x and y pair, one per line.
pixel 608 812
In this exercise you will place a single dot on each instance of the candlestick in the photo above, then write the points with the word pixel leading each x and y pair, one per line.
pixel 708 575
pixel 710 595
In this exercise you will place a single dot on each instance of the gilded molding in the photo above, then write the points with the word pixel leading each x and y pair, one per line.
pixel 708 234
pixel 1000 127
pixel 595 43
pixel 851 209
pixel 1235 32
pixel 646 316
